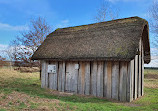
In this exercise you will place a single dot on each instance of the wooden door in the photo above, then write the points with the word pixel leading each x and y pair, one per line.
pixel 71 77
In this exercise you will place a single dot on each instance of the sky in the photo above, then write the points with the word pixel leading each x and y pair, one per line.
pixel 15 15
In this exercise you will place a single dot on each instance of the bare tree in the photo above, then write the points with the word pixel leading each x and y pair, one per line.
pixel 27 43
pixel 153 14
pixel 12 52
pixel 38 30
pixel 2 61
pixel 106 12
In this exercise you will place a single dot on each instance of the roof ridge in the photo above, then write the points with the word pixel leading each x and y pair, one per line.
pixel 95 24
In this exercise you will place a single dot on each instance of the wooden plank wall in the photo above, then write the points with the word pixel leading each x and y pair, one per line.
pixel 110 79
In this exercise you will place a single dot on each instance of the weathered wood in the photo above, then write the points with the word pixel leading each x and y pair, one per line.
pixel 81 78
pixel 53 77
pixel 51 80
pixel 135 76
pixel 60 76
pixel 139 70
pixel 43 74
pixel 123 81
pixel 130 76
pixel 108 79
pixel 68 77
pixel 87 78
pixel 100 79
pixel 75 78
pixel 46 76
pixel 63 76
pixel 94 78
pixel 115 80
pixel 142 77
pixel 71 77
pixel 105 79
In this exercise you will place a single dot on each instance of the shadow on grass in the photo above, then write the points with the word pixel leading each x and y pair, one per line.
pixel 32 88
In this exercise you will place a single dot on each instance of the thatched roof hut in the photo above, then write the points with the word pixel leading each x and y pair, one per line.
pixel 103 59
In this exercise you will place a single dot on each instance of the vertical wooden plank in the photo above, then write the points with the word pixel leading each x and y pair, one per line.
pixel 53 77
pixel 94 78
pixel 130 82
pixel 43 74
pixel 139 70
pixel 109 72
pixel 81 78
pixel 63 76
pixel 136 76
pixel 71 77
pixel 115 80
pixel 142 77
pixel 100 79
pixel 105 79
pixel 56 77
pixel 68 77
pixel 123 81
pixel 60 76
pixel 87 78
pixel 46 75
pixel 75 78
pixel 51 80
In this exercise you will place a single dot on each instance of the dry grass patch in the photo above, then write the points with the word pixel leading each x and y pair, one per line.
pixel 5 73
pixel 17 99
pixel 151 78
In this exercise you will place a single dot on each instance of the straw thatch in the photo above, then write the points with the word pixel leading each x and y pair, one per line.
pixel 112 40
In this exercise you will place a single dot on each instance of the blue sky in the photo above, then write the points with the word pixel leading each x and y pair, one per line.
pixel 16 14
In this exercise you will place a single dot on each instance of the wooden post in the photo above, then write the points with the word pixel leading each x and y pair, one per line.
pixel 46 76
pixel 107 79
pixel 142 78
pixel 130 82
pixel 140 70
pixel 123 81
pixel 135 76
pixel 100 79
pixel 94 78
pixel 87 78
pixel 63 77
pixel 43 74
pixel 60 76
pixel 115 80
pixel 81 78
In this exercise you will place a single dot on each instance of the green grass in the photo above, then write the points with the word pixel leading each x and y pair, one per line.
pixel 26 87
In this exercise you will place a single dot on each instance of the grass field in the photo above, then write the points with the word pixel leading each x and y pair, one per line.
pixel 21 91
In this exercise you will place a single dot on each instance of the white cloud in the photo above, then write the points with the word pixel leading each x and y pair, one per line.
pixel 4 26
pixel 63 23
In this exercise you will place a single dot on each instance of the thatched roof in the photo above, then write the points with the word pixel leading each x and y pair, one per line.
pixel 111 40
